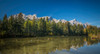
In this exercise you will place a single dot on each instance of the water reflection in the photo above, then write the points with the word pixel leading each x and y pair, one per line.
pixel 44 45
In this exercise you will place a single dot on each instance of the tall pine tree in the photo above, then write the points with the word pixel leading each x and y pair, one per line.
pixel 5 25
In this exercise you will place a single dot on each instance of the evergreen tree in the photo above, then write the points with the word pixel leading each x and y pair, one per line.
pixel 92 30
pixel 41 27
pixel 34 26
pixel 28 27
pixel 48 26
pixel 44 26
pixel 16 27
pixel 5 25
pixel 53 28
pixel 79 29
pixel 65 29
pixel 11 23
pixel 59 28
pixel 0 27
pixel 68 27
pixel 73 29
pixel 20 22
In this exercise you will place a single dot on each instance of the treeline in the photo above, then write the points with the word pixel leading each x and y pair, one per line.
pixel 17 26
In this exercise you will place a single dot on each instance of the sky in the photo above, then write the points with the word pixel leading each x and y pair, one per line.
pixel 85 11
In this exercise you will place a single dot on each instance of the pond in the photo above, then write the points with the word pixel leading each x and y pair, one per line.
pixel 50 45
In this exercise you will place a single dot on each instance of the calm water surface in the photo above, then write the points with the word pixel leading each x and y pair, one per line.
pixel 50 45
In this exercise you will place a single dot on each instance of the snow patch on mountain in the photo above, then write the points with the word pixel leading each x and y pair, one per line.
pixel 31 16
pixel 72 22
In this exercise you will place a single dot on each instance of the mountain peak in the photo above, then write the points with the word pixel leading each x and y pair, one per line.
pixel 74 20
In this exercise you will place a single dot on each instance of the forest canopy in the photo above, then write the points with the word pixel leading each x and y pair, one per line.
pixel 12 26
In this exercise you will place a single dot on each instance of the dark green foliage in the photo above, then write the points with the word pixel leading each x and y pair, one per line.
pixel 92 29
pixel 11 24
pixel 20 22
pixel 5 25
pixel 34 27
pixel 79 30
pixel 16 27
pixel 53 28
pixel 28 27
pixel 0 27
pixel 48 26
pixel 42 27
pixel 59 28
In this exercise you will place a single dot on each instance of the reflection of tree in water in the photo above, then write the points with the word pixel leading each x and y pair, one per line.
pixel 42 45
pixel 91 41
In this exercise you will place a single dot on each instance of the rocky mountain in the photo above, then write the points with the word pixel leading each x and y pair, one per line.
pixel 26 16
pixel 72 22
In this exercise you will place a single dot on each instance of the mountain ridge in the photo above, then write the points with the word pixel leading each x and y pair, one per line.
pixel 72 22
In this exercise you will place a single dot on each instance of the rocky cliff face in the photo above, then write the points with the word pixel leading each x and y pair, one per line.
pixel 72 22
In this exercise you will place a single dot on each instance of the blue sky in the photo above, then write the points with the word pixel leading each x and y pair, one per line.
pixel 82 10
